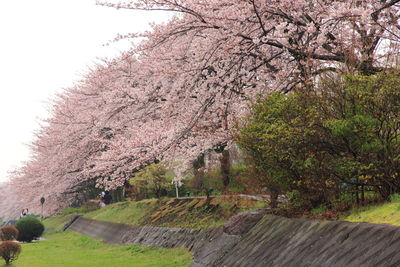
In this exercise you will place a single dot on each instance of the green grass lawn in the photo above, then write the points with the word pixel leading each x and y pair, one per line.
pixel 388 213
pixel 72 249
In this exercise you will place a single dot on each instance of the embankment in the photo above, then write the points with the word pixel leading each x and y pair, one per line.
pixel 254 239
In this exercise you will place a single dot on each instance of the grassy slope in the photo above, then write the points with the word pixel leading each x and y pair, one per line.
pixel 55 223
pixel 189 213
pixel 388 213
pixel 72 249
pixel 125 212
pixel 198 214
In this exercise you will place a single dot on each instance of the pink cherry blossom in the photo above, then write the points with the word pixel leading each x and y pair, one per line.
pixel 178 93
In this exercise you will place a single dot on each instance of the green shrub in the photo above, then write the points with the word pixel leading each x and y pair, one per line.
pixel 9 251
pixel 319 210
pixel 29 228
pixel 298 200
pixel 8 233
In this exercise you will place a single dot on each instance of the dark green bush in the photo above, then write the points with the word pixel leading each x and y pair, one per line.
pixel 9 251
pixel 29 228
pixel 8 232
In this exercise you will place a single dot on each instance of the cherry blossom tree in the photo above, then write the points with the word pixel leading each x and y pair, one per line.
pixel 275 44
pixel 177 93
pixel 223 53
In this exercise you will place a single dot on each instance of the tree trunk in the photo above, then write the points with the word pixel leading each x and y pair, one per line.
pixel 274 193
pixel 225 167
pixel 198 172
pixel 362 195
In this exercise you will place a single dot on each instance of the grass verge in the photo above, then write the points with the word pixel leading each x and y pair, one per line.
pixel 388 213
pixel 72 249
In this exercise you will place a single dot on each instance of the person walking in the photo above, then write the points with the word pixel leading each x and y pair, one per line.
pixel 107 199
pixel 101 197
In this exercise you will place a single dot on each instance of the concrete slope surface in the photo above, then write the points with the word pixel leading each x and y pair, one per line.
pixel 259 240
pixel 276 241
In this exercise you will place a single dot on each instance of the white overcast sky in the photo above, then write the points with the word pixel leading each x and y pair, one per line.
pixel 45 45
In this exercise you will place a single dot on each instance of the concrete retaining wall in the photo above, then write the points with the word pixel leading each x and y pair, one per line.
pixel 276 241
pixel 111 233
pixel 270 241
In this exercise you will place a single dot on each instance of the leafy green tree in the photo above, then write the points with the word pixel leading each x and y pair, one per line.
pixel 364 120
pixel 345 132
pixel 282 137
pixel 154 180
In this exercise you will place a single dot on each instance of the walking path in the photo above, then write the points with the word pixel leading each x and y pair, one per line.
pixel 281 198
